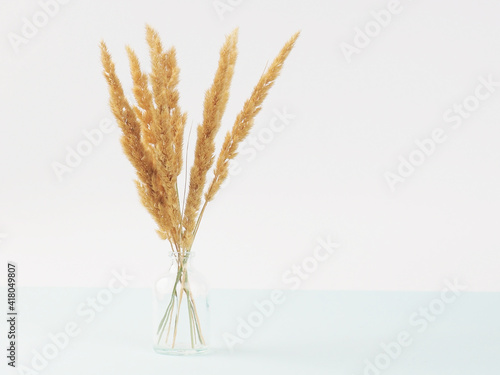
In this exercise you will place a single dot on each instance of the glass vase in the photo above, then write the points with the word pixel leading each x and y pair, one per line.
pixel 181 309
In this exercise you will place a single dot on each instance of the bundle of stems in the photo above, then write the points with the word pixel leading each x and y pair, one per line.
pixel 153 139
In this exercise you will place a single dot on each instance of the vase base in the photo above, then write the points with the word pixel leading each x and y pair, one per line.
pixel 181 351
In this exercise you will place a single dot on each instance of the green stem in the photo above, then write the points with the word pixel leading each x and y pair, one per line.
pixel 168 317
pixel 183 277
pixel 168 312
pixel 174 293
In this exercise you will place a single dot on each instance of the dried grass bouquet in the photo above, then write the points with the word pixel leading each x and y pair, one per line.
pixel 153 138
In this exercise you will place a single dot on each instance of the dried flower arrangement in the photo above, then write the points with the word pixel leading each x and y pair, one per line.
pixel 153 137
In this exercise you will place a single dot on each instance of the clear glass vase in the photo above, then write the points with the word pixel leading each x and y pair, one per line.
pixel 181 309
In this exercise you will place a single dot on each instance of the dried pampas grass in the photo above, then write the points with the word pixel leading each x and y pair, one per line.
pixel 153 132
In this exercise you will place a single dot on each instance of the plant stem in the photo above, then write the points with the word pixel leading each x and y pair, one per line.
pixel 183 277
pixel 196 319
pixel 177 297
pixel 168 311
pixel 198 224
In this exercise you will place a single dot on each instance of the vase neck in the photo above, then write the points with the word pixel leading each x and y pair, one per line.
pixel 178 258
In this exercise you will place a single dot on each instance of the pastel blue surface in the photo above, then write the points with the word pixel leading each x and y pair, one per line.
pixel 316 332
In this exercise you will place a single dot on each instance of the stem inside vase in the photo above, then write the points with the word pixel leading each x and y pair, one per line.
pixel 181 307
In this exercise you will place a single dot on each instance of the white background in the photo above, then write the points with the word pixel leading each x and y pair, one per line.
pixel 323 175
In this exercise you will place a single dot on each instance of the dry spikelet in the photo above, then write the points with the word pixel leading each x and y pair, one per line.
pixel 161 113
pixel 214 106
pixel 143 96
pixel 167 125
pixel 149 190
pixel 245 119
pixel 126 119
pixel 177 119
pixel 164 78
